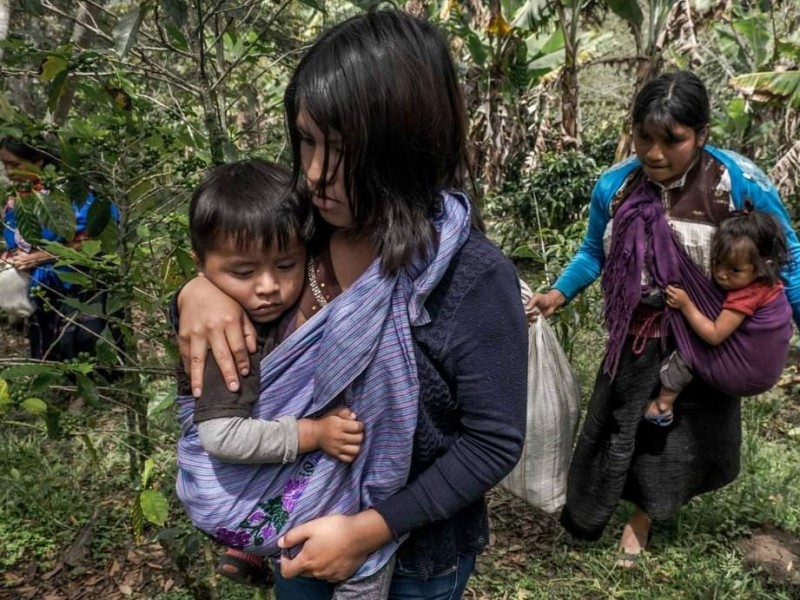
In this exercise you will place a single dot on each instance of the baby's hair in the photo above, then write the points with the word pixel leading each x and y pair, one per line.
pixel 250 203
pixel 386 82
pixel 758 236
pixel 679 97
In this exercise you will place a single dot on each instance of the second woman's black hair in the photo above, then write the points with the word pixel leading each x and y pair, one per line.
pixel 385 81
pixel 250 203
pixel 679 97
pixel 28 152
pixel 759 236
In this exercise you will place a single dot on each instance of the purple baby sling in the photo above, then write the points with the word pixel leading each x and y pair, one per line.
pixel 360 343
pixel 749 362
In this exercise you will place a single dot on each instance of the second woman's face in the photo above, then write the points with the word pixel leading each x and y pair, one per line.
pixel 331 199
pixel 665 158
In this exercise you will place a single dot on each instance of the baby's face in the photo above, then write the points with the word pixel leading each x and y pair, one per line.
pixel 734 272
pixel 266 284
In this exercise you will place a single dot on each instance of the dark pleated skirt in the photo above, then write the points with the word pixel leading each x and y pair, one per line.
pixel 620 456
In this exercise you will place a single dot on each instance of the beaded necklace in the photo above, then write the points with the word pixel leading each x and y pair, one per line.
pixel 311 273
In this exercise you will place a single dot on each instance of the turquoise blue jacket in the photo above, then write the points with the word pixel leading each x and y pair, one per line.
pixel 47 275
pixel 747 182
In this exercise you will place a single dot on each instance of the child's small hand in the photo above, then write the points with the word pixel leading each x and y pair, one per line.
pixel 676 297
pixel 339 434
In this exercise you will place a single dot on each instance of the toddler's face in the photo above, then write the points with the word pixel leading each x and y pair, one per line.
pixel 265 283
pixel 734 272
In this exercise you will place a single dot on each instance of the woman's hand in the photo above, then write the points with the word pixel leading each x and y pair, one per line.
pixel 26 261
pixel 209 317
pixel 334 546
pixel 544 304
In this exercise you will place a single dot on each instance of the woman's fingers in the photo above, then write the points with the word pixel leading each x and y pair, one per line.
pixel 330 548
pixel 211 319
pixel 531 309
pixel 198 350
pixel 250 337
pixel 223 342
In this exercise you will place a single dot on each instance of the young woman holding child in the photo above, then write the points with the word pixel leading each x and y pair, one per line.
pixel 673 195
pixel 377 126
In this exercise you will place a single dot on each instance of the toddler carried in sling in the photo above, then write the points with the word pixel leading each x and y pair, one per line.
pixel 749 362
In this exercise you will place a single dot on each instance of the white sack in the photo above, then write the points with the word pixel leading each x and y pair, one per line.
pixel 14 297
pixel 540 477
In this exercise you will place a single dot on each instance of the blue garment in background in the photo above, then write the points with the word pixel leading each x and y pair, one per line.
pixel 46 275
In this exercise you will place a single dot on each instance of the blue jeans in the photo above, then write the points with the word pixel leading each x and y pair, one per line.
pixel 448 585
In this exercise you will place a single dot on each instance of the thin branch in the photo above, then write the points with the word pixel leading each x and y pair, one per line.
pixel 203 21
pixel 163 38
pixel 244 54
pixel 75 21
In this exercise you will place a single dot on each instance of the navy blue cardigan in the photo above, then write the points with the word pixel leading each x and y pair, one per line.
pixel 472 364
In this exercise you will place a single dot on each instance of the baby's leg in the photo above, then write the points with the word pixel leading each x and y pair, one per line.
pixel 675 375
pixel 660 410
pixel 374 587
pixel 245 568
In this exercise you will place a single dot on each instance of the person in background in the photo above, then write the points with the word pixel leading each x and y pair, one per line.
pixel 23 164
pixel 675 175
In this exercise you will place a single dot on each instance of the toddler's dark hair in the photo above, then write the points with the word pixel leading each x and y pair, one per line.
pixel 759 236
pixel 249 203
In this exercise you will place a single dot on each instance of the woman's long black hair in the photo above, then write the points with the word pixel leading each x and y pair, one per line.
pixel 385 81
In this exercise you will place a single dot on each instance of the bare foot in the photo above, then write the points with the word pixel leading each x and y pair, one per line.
pixel 634 538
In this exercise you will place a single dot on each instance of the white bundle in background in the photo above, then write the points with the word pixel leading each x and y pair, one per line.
pixel 540 477
pixel 14 292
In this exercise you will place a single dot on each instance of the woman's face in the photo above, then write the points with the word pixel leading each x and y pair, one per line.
pixel 333 206
pixel 18 169
pixel 665 157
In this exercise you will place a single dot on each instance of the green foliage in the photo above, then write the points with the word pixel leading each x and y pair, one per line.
pixel 528 214
pixel 757 85
pixel 24 543
pixel 166 90
pixel 773 86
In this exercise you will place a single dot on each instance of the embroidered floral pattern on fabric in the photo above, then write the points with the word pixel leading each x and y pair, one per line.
pixel 268 517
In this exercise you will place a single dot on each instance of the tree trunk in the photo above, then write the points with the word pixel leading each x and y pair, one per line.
pixel 214 117
pixel 5 17
pixel 570 125
pixel 81 38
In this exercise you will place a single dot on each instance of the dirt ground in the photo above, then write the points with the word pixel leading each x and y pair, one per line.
pixel 773 552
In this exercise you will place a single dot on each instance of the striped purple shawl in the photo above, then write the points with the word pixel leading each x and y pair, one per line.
pixel 360 343
pixel 749 362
